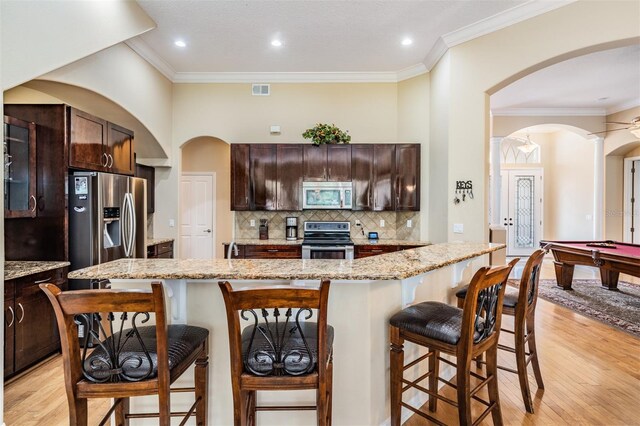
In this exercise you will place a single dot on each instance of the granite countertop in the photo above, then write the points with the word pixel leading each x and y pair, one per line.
pixel 356 241
pixel 21 268
pixel 154 241
pixel 391 266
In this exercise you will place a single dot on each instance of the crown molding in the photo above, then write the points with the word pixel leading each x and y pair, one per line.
pixel 148 54
pixel 548 112
pixel 285 77
pixel 437 51
pixel 411 72
pixel 633 103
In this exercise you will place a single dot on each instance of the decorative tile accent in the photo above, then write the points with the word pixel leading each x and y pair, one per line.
pixel 395 223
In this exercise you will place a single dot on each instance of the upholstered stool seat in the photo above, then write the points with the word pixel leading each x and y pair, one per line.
pixel 259 356
pixel 182 341
pixel 510 296
pixel 433 320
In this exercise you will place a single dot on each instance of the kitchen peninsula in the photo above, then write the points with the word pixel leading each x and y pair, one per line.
pixel 364 294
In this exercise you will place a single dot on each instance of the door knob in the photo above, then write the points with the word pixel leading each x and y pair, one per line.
pixel 207 230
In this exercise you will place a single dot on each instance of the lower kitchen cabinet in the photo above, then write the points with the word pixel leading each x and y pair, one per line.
pixel 160 250
pixel 373 250
pixel 31 332
pixel 265 252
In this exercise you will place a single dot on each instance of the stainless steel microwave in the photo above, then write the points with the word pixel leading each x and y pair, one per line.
pixel 327 195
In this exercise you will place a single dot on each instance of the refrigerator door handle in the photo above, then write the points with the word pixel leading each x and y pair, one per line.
pixel 132 227
pixel 125 224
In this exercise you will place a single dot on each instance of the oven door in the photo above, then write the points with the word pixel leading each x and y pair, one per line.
pixel 327 252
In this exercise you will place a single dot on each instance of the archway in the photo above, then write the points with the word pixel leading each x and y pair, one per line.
pixel 210 156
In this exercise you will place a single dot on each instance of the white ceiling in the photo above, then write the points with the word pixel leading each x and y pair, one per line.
pixel 578 83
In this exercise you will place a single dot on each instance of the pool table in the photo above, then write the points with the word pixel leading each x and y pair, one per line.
pixel 610 256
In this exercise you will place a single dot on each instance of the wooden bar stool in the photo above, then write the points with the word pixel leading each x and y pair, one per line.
pixel 464 333
pixel 521 304
pixel 284 352
pixel 127 359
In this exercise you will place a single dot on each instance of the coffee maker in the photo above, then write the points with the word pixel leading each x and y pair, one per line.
pixel 291 230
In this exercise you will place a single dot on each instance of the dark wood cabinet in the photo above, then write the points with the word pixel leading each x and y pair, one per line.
pixel 9 327
pixel 289 180
pixel 119 150
pixel 271 251
pixel 383 177
pixel 240 177
pixel 327 163
pixel 95 144
pixel 362 176
pixel 34 333
pixel 368 250
pixel 407 171
pixel 148 173
pixel 263 176
pixel 19 168
pixel 240 254
pixel 160 251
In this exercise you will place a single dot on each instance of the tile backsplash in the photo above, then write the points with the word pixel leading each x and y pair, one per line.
pixel 395 222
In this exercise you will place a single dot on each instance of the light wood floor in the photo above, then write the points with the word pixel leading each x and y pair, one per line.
pixel 591 374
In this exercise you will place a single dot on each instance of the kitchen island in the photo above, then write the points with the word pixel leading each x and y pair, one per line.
pixel 364 294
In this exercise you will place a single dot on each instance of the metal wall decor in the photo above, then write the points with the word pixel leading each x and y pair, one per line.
pixel 485 322
pixel 464 189
pixel 117 357
pixel 276 347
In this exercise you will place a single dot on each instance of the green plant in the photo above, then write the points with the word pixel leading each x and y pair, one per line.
pixel 326 134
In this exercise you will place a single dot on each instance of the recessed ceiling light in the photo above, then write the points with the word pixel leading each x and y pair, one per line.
pixel 180 43
pixel 407 41
pixel 603 99
pixel 276 43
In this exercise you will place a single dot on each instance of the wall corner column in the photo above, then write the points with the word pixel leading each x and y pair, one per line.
pixel 496 182
pixel 598 189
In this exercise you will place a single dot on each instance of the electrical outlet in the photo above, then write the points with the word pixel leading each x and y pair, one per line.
pixel 252 223
pixel 381 223
pixel 358 222
pixel 409 223
pixel 458 228
pixel 172 223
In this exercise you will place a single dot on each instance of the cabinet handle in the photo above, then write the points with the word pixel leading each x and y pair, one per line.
pixel 106 159
pixel 35 203
pixel 324 173
pixel 329 172
pixel 246 200
pixel 22 310
pixel 272 250
pixel 13 316
pixel 42 281
pixel 110 161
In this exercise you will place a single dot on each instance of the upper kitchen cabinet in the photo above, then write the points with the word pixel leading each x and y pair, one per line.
pixel 263 176
pixel 362 176
pixel 19 168
pixel 240 178
pixel 327 163
pixel 95 144
pixel 289 176
pixel 119 150
pixel 407 177
pixel 384 168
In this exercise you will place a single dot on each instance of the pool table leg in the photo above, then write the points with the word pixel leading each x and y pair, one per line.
pixel 609 278
pixel 564 274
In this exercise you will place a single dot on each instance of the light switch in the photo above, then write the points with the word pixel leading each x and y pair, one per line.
pixel 458 228
pixel 172 223
pixel 381 223
pixel 409 223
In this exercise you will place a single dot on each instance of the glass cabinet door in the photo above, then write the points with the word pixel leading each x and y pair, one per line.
pixel 19 168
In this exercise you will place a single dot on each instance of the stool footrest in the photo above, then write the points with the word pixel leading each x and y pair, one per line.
pixel 418 380
pixel 431 393
pixel 285 407
pixel 414 362
pixel 485 413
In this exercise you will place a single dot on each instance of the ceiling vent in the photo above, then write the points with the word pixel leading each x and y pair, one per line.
pixel 260 89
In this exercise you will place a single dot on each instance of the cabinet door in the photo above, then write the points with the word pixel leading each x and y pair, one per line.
pixel 9 327
pixel 36 334
pixel 383 177
pixel 339 163
pixel 119 150
pixel 240 177
pixel 315 163
pixel 88 136
pixel 407 186
pixel 362 176
pixel 148 173
pixel 289 164
pixel 263 176
pixel 19 168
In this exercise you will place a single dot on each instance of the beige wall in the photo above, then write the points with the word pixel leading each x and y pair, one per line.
pixel 614 195
pixel 505 125
pixel 207 154
pixel 568 161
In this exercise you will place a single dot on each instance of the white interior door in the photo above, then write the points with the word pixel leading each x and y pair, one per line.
pixel 521 210
pixel 197 234
pixel 631 212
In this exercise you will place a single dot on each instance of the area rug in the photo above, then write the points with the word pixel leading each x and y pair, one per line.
pixel 620 309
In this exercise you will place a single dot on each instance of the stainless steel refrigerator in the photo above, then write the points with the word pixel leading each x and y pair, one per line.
pixel 107 220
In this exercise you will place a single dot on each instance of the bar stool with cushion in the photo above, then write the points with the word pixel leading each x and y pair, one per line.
pixel 284 352
pixel 464 333
pixel 521 304
pixel 126 358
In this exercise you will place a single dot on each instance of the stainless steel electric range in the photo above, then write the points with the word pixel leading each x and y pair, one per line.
pixel 327 240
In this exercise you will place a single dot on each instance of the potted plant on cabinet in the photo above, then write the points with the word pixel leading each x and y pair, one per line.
pixel 326 134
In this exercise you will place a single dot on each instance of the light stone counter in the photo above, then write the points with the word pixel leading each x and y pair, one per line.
pixel 356 241
pixel 21 268
pixel 364 294
pixel 154 241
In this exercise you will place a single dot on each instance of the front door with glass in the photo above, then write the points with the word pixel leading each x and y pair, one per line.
pixel 521 209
